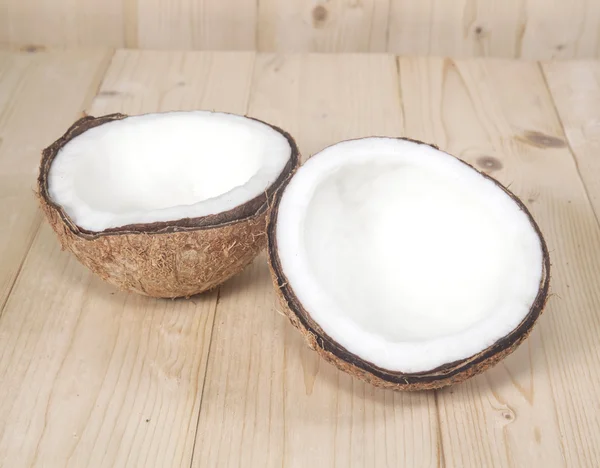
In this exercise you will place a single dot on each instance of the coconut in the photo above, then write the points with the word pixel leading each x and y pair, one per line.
pixel 168 204
pixel 403 265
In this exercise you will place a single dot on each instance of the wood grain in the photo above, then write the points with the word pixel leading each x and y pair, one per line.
pixel 197 24
pixel 92 376
pixel 323 26
pixel 538 407
pixel 268 399
pixel 560 30
pixel 4 23
pixel 63 22
pixel 533 29
pixel 575 88
pixel 460 28
pixel 40 95
pixel 130 24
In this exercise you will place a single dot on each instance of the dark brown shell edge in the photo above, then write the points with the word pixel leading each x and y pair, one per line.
pixel 249 209
pixel 448 374
pixel 172 259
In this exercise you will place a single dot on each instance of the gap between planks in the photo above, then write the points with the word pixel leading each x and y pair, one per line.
pixel 218 302
pixel 148 95
pixel 93 88
pixel 94 93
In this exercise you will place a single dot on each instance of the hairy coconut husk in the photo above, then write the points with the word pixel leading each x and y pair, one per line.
pixel 164 259
pixel 345 360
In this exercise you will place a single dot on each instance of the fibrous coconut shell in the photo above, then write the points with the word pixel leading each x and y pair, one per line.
pixel 345 360
pixel 164 259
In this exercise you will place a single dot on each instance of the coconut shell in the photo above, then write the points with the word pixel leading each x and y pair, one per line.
pixel 345 360
pixel 164 259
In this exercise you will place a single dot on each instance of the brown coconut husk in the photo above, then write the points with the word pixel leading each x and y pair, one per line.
pixel 448 374
pixel 164 259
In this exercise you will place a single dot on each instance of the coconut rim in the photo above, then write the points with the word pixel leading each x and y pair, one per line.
pixel 250 209
pixel 437 374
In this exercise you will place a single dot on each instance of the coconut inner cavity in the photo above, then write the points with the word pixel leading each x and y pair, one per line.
pixel 165 167
pixel 405 256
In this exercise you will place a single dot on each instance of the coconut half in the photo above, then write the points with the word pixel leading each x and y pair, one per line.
pixel 403 265
pixel 169 204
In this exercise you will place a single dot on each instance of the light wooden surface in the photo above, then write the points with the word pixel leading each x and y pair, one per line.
pixel 531 29
pixel 90 376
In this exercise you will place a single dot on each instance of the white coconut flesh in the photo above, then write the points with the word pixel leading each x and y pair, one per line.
pixel 405 256
pixel 165 167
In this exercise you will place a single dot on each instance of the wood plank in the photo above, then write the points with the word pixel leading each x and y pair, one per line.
pixel 561 31
pixel 130 24
pixel 268 399
pixel 4 22
pixel 40 95
pixel 197 24
pixel 511 28
pixel 64 22
pixel 539 407
pixel 575 88
pixel 463 28
pixel 323 26
pixel 92 376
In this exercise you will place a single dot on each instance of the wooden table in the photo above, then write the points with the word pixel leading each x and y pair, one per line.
pixel 90 376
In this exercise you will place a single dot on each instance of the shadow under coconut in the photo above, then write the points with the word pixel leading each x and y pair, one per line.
pixel 558 338
pixel 516 370
pixel 312 375
pixel 255 278
pixel 517 367
pixel 107 313
pixel 561 340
